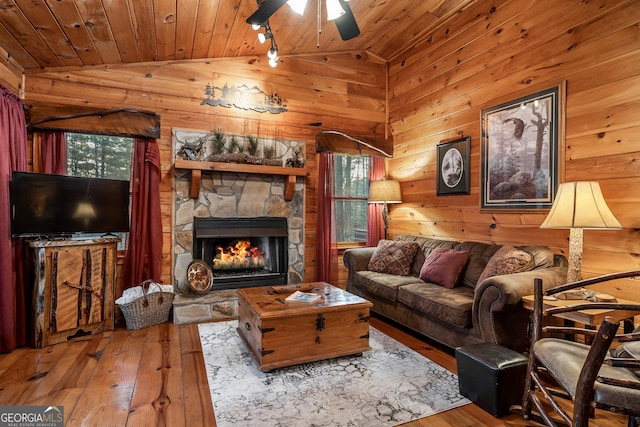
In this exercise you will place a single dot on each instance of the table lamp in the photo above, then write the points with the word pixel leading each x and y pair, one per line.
pixel 579 206
pixel 385 191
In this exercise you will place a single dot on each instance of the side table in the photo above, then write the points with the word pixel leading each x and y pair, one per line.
pixel 590 318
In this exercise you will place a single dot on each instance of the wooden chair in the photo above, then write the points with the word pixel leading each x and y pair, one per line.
pixel 587 375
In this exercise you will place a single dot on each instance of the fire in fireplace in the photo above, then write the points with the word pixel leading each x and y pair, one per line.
pixel 240 255
pixel 243 252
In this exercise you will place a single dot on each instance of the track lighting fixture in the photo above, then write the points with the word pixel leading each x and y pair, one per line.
pixel 256 24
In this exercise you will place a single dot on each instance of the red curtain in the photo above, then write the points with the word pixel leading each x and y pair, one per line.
pixel 53 152
pixel 143 259
pixel 326 248
pixel 375 223
pixel 13 146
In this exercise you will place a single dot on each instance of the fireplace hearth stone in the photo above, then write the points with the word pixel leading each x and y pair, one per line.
pixel 216 305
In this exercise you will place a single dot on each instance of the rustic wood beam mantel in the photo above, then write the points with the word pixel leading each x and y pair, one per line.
pixel 197 167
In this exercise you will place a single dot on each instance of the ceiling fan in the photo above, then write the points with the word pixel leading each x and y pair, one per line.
pixel 337 10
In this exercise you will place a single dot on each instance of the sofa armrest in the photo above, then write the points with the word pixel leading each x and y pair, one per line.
pixel 497 307
pixel 356 259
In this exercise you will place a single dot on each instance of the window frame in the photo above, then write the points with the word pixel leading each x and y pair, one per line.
pixel 344 244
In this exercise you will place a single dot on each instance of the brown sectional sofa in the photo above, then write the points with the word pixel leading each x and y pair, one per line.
pixel 472 312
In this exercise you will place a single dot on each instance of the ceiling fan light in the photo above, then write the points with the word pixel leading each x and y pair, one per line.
pixel 298 6
pixel 262 38
pixel 256 27
pixel 334 9
pixel 273 53
pixel 273 62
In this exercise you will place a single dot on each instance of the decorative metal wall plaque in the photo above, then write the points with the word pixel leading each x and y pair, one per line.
pixel 244 98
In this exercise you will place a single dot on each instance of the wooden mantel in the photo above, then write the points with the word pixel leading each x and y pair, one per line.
pixel 197 167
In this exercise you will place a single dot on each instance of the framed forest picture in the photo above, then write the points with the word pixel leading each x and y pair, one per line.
pixel 522 154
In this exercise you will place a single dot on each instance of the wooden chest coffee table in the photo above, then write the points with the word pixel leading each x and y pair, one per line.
pixel 282 333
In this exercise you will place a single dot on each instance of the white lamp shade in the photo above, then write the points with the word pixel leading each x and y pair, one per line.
pixel 385 191
pixel 580 205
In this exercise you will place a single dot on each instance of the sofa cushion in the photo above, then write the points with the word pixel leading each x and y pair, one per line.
pixel 444 267
pixel 479 256
pixel 543 256
pixel 381 284
pixel 507 260
pixel 447 305
pixel 392 257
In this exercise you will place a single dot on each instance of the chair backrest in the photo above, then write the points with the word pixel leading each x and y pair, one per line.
pixel 600 341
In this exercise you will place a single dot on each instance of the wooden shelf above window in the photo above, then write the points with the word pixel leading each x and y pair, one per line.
pixel 196 168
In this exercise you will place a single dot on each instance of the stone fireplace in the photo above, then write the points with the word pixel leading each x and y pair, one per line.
pixel 240 196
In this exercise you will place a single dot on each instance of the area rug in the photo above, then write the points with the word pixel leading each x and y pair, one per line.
pixel 386 386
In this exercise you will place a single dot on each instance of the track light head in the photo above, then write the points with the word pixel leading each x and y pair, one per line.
pixel 273 53
pixel 262 37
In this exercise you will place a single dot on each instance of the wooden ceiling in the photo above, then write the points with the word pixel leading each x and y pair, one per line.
pixel 41 34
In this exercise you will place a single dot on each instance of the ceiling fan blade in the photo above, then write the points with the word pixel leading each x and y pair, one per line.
pixel 346 24
pixel 264 12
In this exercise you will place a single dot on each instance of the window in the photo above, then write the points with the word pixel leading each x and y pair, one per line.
pixel 99 156
pixel 351 176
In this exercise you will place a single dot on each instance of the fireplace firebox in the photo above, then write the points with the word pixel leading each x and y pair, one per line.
pixel 243 252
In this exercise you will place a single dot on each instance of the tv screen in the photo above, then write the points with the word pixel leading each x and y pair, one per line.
pixel 54 205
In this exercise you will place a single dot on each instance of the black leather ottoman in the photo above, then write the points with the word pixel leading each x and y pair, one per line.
pixel 491 376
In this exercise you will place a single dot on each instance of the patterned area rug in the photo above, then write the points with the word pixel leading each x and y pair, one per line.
pixel 389 385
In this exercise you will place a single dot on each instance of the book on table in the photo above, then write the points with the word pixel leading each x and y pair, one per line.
pixel 299 296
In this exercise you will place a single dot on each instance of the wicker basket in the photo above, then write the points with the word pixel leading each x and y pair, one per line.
pixel 150 309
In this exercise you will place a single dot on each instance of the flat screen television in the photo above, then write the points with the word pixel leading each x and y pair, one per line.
pixel 59 205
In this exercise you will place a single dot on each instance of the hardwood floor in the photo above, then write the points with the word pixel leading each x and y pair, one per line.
pixel 156 377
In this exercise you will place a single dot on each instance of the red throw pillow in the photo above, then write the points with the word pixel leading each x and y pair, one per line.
pixel 444 267
pixel 393 257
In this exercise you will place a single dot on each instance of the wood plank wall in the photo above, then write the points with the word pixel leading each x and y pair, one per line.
pixel 10 73
pixel 344 91
pixel 498 50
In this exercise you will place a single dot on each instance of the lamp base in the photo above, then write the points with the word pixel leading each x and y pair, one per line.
pixel 385 219
pixel 574 272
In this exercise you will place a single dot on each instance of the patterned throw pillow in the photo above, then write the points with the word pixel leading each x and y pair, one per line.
pixel 507 260
pixel 393 257
pixel 444 267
